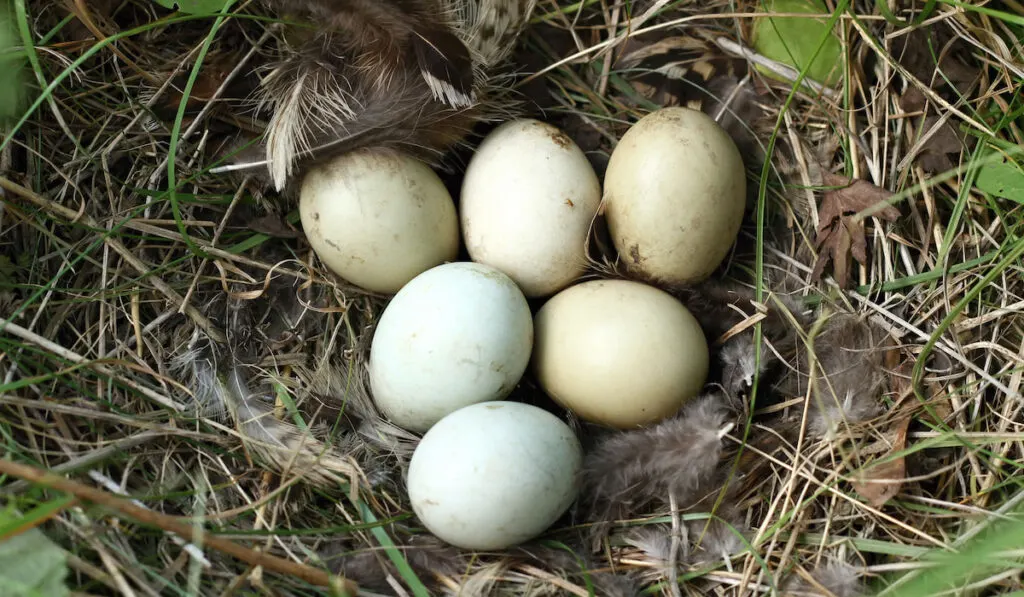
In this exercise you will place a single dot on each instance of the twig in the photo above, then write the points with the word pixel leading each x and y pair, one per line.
pixel 80 9
pixel 16 330
pixel 93 456
pixel 783 70
pixel 113 487
pixel 136 263
pixel 180 527
pixel 673 550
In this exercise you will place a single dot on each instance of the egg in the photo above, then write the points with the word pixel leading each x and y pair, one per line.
pixel 528 199
pixel 378 218
pixel 619 353
pixel 493 475
pixel 674 195
pixel 457 334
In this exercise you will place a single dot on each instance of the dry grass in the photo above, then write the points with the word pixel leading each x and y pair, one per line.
pixel 99 286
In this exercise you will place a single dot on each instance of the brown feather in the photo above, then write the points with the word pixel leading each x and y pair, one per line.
pixel 850 375
pixel 428 557
pixel 837 578
pixel 415 75
pixel 345 438
pixel 627 472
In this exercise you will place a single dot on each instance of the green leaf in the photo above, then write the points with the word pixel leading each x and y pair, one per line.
pixel 13 60
pixel 794 40
pixel 1003 179
pixel 30 564
pixel 194 7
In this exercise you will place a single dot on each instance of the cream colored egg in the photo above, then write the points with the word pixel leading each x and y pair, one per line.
pixel 619 353
pixel 378 219
pixel 527 202
pixel 674 194
pixel 493 475
pixel 457 334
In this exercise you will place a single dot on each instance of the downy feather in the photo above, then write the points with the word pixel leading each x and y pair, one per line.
pixel 407 74
pixel 838 578
pixel 629 471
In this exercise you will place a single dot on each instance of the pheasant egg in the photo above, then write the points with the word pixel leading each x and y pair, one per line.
pixel 457 334
pixel 493 475
pixel 377 219
pixel 528 199
pixel 619 353
pixel 674 195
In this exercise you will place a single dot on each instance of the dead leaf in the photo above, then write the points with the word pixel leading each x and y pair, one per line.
pixel 273 225
pixel 949 77
pixel 879 483
pixel 833 246
pixel 840 235
pixel 913 100
pixel 587 136
pixel 946 141
pixel 891 359
pixel 916 51
pixel 853 196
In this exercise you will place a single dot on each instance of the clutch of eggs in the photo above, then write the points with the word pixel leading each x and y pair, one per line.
pixel 457 337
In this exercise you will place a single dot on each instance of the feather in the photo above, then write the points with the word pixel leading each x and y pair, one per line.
pixel 494 26
pixel 655 541
pixel 628 471
pixel 311 100
pixel 576 564
pixel 740 364
pixel 850 375
pixel 428 557
pixel 221 391
pixel 701 541
pixel 281 444
pixel 837 578
pixel 225 383
pixel 480 582
pixel 446 65
pixel 415 75
pixel 716 538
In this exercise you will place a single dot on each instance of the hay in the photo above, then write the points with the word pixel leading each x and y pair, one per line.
pixel 116 294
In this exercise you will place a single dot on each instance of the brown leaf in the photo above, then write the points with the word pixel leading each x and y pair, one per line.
pixel 854 196
pixel 273 225
pixel 940 402
pixel 913 100
pixel 899 378
pixel 840 235
pixel 916 53
pixel 934 156
pixel 880 482
pixel 833 246
pixel 858 240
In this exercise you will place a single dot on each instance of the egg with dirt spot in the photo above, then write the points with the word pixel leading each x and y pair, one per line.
pixel 457 334
pixel 527 203
pixel 493 475
pixel 378 218
pixel 674 195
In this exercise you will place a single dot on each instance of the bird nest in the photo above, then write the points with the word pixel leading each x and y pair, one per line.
pixel 185 407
